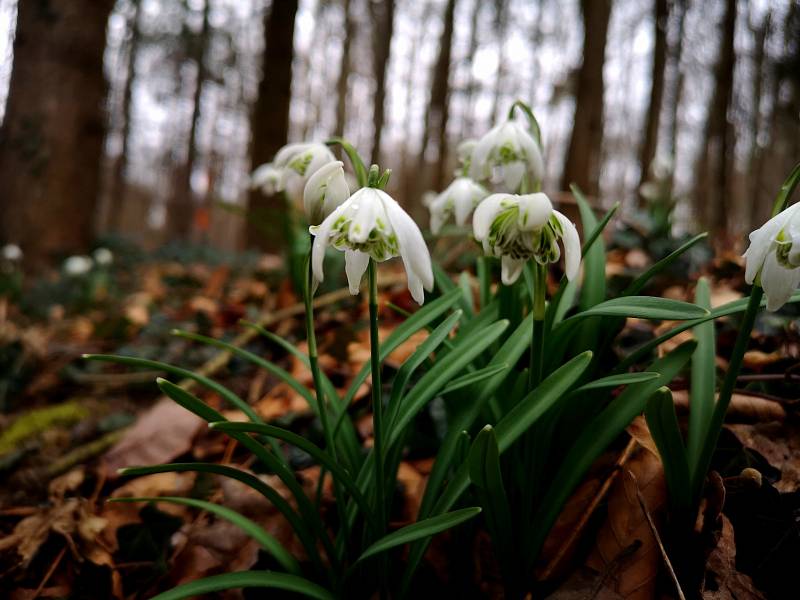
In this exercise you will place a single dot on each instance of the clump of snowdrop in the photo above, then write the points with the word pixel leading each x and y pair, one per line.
pixel 103 257
pixel 371 224
pixel 509 157
pixel 518 228
pixel 77 266
pixel 774 257
pixel 291 169
pixel 326 189
pixel 459 200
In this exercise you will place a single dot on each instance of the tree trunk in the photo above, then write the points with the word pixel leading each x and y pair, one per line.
pixel 270 121
pixel 383 25
pixel 676 89
pixel 437 113
pixel 344 70
pixel 51 141
pixel 117 193
pixel 583 154
pixel 714 165
pixel 182 206
pixel 472 85
pixel 650 141
pixel 501 9
pixel 756 150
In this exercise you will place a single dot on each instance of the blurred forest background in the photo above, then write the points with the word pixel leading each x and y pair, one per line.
pixel 143 117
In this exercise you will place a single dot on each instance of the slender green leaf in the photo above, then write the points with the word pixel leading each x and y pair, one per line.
pixel 612 381
pixel 594 260
pixel 274 497
pixel 729 308
pixel 644 307
pixel 704 377
pixel 185 373
pixel 485 474
pixel 663 425
pixel 786 190
pixel 250 527
pixel 246 579
pixel 637 285
pixel 421 529
pixel 446 286
pixel 429 385
pixel 475 377
pixel 306 446
pixel 417 321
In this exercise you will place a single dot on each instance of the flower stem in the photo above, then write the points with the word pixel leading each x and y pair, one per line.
pixel 377 406
pixel 726 392
pixel 537 339
pixel 319 394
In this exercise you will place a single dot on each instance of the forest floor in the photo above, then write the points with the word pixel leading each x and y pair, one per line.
pixel 67 425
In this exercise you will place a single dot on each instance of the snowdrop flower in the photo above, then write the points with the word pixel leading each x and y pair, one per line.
pixel 103 257
pixel 266 177
pixel 326 189
pixel 774 253
pixel 291 168
pixel 464 154
pixel 75 266
pixel 459 199
pixel 505 156
pixel 12 253
pixel 518 228
pixel 372 224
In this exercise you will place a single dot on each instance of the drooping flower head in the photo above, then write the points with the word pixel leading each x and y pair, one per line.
pixel 519 228
pixel 11 253
pixel 774 253
pixel 103 257
pixel 372 224
pixel 293 165
pixel 459 199
pixel 77 266
pixel 326 189
pixel 505 156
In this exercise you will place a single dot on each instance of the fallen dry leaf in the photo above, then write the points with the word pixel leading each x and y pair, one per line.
pixel 779 443
pixel 161 434
pixel 635 577
pixel 743 408
pixel 723 581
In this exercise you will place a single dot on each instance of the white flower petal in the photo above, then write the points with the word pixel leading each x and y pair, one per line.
pixel 413 250
pixel 572 246
pixel 761 244
pixel 510 269
pixel 321 235
pixel 486 212
pixel 366 207
pixel 534 211
pixel 778 282
pixel 510 175
pixel 355 263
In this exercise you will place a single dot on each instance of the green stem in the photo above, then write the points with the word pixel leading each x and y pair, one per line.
pixel 726 392
pixel 537 339
pixel 485 279
pixel 377 406
pixel 319 394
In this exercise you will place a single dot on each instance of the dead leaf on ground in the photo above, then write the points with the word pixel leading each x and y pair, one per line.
pixel 780 445
pixel 743 408
pixel 582 584
pixel 723 581
pixel 634 577
pixel 160 435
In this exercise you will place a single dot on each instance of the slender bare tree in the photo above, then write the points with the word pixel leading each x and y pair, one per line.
pixel 382 14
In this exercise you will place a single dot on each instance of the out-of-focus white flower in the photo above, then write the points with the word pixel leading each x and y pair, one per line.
pixel 464 153
pixel 76 266
pixel 291 168
pixel 267 178
pixel 459 199
pixel 774 253
pixel 505 155
pixel 518 228
pixel 372 224
pixel 326 189
pixel 661 167
pixel 12 253
pixel 103 257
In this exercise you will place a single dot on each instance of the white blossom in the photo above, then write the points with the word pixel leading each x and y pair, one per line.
pixel 774 253
pixel 459 200
pixel 517 228
pixel 326 189
pixel 12 253
pixel 291 168
pixel 76 266
pixel 103 257
pixel 372 224
pixel 505 155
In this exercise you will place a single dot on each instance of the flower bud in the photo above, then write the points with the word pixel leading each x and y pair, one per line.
pixel 326 189
pixel 459 199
